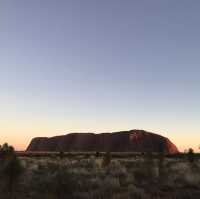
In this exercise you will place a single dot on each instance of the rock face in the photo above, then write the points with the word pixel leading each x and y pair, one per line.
pixel 123 141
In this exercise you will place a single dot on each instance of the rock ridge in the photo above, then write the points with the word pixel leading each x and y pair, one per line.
pixel 122 141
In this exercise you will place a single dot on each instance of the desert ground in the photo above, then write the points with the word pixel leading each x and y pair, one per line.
pixel 100 176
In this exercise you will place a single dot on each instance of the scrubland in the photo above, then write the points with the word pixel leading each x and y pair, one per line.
pixel 101 177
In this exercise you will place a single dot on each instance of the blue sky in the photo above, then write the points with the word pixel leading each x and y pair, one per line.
pixel 68 66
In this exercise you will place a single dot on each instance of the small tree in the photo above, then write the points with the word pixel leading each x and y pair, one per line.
pixel 6 151
pixel 11 168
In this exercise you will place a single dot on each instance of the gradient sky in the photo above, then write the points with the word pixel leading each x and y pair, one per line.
pixel 99 65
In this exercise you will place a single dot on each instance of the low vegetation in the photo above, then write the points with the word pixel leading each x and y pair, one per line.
pixel 98 176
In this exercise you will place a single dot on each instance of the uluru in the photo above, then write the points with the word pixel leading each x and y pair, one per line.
pixel 123 141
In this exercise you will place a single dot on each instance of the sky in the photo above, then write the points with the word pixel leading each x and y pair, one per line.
pixel 99 66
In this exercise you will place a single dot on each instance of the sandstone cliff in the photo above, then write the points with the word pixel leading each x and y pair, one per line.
pixel 123 141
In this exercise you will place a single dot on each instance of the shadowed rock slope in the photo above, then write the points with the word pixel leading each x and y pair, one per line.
pixel 123 141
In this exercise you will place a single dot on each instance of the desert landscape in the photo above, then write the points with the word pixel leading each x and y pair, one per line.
pixel 99 99
pixel 145 174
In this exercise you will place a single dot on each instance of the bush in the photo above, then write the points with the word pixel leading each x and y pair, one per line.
pixel 137 193
pixel 53 181
pixel 190 155
pixel 106 159
pixel 11 168
pixel 6 151
pixel 162 172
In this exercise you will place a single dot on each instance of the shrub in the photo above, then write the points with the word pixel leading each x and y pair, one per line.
pixel 97 154
pixel 6 151
pixel 190 155
pixel 149 167
pixel 106 159
pixel 61 154
pixel 137 193
pixel 56 182
pixel 162 173
pixel 11 168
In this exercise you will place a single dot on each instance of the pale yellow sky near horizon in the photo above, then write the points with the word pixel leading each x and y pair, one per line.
pixel 20 138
